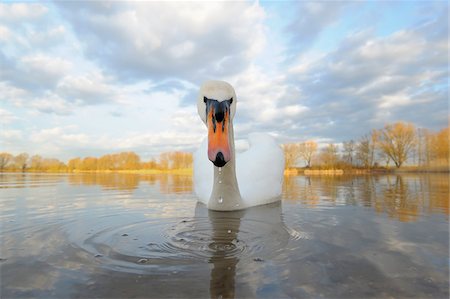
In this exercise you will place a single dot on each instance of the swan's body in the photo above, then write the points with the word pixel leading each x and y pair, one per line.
pixel 251 178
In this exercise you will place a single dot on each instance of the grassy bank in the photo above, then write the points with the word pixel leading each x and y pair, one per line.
pixel 361 171
pixel 182 171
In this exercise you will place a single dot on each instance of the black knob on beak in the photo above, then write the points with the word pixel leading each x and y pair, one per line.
pixel 220 160
pixel 219 113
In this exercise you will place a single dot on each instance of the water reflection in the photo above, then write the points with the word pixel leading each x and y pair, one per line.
pixel 403 197
pixel 224 235
pixel 167 183
pixel 127 235
pixel 249 237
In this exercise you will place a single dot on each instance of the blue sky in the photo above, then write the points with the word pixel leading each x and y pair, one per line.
pixel 90 78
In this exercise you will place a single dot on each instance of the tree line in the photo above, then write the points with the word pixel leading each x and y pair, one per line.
pixel 393 145
pixel 109 162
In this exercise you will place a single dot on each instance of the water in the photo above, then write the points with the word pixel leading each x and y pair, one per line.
pixel 125 235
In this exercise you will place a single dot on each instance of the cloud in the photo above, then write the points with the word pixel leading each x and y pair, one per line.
pixel 159 40
pixel 18 12
pixel 87 89
pixel 12 140
pixel 53 104
pixel 36 72
pixel 14 95
pixel 370 80
pixel 6 117
pixel 312 18
pixel 59 135
pixel 266 102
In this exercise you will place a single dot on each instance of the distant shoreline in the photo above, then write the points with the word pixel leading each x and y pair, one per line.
pixel 183 171
pixel 371 171
pixel 287 172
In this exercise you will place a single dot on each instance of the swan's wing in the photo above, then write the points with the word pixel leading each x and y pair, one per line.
pixel 259 170
pixel 203 173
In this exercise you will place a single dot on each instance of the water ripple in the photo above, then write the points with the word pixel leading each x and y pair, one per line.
pixel 186 241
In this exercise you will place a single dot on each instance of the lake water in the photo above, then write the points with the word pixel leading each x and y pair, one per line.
pixel 128 236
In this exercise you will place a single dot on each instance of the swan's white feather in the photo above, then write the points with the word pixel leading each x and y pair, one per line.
pixel 203 173
pixel 259 171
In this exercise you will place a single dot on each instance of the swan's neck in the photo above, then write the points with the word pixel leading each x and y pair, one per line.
pixel 225 195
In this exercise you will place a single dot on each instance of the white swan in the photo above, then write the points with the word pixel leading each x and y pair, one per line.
pixel 254 177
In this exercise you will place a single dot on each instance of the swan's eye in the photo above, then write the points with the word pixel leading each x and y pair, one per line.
pixel 231 101
pixel 205 99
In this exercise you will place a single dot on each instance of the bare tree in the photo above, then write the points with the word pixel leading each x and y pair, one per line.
pixel 5 159
pixel 307 150
pixel 291 154
pixel 396 141
pixel 329 156
pixel 21 161
pixel 349 150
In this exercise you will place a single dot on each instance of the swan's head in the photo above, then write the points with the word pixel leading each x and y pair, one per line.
pixel 216 105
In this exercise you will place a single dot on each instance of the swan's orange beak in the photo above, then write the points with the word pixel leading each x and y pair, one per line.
pixel 218 119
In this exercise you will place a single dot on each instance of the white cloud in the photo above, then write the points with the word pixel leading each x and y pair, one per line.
pixel 41 65
pixel 311 18
pixel 10 134
pixel 394 100
pixel 12 141
pixel 89 88
pixel 51 103
pixel 6 116
pixel 265 100
pixel 5 34
pixel 45 38
pixel 11 94
pixel 163 39
pixel 34 72
pixel 19 12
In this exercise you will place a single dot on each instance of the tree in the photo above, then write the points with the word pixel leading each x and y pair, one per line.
pixel 131 160
pixel 365 150
pixel 349 150
pixel 180 160
pixel 307 150
pixel 5 159
pixel 329 156
pixel 442 145
pixel 21 161
pixel 291 154
pixel 89 163
pixel 36 162
pixel 396 141
pixel 74 164
pixel 53 165
pixel 152 164
pixel 164 161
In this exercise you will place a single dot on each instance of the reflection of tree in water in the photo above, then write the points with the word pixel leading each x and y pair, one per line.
pixel 175 184
pixel 437 188
pixel 398 200
pixel 168 183
pixel 300 188
pixel 405 197
pixel 28 180
pixel 336 188
pixel 402 197
pixel 113 181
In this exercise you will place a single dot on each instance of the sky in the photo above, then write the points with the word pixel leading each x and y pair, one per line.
pixel 89 78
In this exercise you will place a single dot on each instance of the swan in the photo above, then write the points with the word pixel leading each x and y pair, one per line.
pixel 231 182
